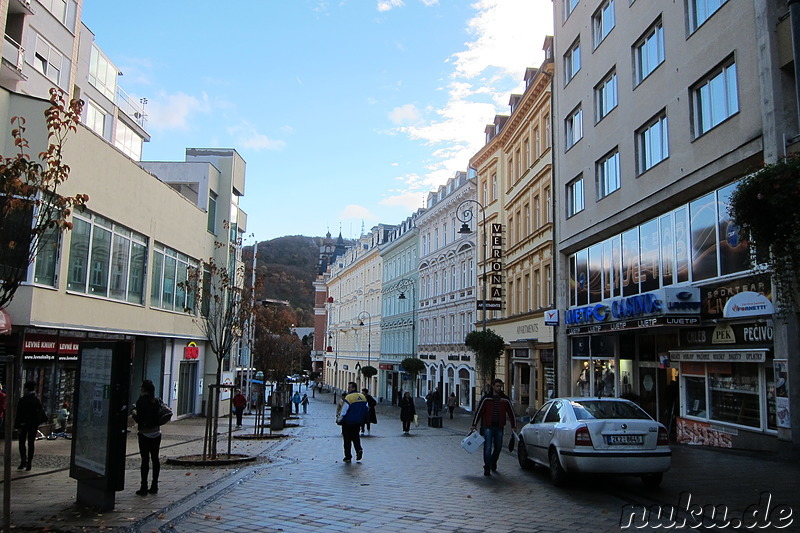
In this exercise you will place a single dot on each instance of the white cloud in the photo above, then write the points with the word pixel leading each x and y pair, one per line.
pixel 387 5
pixel 173 111
pixel 359 212
pixel 405 114
pixel 408 200
pixel 248 137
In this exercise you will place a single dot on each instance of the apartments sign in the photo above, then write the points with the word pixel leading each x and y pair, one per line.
pixel 495 281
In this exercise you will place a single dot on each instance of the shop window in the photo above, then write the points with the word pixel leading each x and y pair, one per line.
pixel 694 396
pixel 734 393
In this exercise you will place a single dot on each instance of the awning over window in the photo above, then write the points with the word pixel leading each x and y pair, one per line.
pixel 720 356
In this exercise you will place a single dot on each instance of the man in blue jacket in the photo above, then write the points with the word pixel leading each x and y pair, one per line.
pixel 354 412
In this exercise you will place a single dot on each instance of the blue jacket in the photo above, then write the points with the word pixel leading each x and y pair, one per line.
pixel 355 410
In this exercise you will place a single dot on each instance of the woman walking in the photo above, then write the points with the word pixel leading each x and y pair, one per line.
pixel 146 415
pixel 29 415
pixel 452 402
pixel 407 411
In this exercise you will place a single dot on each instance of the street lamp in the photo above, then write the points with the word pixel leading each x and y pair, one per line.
pixel 402 285
pixel 465 215
pixel 369 331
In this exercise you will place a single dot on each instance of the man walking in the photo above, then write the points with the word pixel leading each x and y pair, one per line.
pixel 239 403
pixel 492 412
pixel 353 413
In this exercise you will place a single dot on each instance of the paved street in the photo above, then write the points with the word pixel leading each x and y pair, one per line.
pixel 421 482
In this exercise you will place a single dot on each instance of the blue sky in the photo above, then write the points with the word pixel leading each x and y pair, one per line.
pixel 347 112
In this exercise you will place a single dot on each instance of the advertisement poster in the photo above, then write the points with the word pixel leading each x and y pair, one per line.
pixel 93 411
pixel 781 367
pixel 698 433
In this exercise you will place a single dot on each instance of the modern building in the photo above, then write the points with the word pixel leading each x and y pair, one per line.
pixel 400 294
pixel 117 274
pixel 354 311
pixel 447 293
pixel 514 175
pixel 659 108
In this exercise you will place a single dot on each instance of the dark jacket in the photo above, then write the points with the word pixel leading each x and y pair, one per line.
pixel 355 410
pixel 485 410
pixel 147 414
pixel 407 409
pixel 28 411
pixel 371 403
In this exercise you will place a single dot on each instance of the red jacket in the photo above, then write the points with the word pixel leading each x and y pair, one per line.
pixel 239 401
pixel 483 413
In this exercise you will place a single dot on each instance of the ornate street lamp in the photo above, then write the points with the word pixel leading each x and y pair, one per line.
pixel 369 331
pixel 465 215
pixel 402 286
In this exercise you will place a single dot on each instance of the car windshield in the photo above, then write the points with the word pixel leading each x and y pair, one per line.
pixel 601 410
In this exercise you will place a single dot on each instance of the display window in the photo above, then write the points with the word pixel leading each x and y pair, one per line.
pixel 730 392
pixel 595 377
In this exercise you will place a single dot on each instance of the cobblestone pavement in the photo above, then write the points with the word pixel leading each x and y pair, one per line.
pixel 419 482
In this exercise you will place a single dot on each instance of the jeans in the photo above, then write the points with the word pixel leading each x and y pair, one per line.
pixel 148 450
pixel 492 446
pixel 27 435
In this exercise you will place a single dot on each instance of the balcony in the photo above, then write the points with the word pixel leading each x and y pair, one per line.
pixel 128 106
pixel 13 61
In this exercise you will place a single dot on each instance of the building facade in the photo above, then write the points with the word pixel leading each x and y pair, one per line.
pixel 514 171
pixel 660 108
pixel 447 293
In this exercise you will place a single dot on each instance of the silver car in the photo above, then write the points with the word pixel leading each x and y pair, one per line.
pixel 595 435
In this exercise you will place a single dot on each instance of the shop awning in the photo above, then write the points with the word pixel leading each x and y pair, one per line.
pixel 755 355
pixel 5 323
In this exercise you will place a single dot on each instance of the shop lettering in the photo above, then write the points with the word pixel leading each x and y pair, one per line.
pixel 590 313
pixel 696 337
pixel 648 322
pixel 643 304
pixel 527 328
pixel 758 334
pixel 40 345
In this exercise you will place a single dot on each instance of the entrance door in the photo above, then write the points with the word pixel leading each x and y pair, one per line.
pixel 187 387
pixel 648 389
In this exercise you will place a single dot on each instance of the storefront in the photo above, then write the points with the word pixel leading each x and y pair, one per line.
pixel 730 382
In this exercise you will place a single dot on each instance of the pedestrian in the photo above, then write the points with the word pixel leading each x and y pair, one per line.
pixel 304 403
pixel 492 412
pixel 452 402
pixel 407 411
pixel 63 416
pixel 296 401
pixel 146 415
pixel 372 418
pixel 429 402
pixel 3 402
pixel 30 414
pixel 239 403
pixel 354 411
pixel 437 401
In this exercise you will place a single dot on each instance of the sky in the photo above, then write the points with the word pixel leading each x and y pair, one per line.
pixel 346 112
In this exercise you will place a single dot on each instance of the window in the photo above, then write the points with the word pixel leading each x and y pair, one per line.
pixel 537 143
pixel 527 145
pixel 574 197
pixel 572 61
pixel 603 21
pixel 518 173
pixel 128 141
pixel 212 214
pixel 95 118
pixel 569 6
pixel 547 131
pixel 494 187
pixel 485 193
pixel 715 98
pixel 574 127
pixel 548 284
pixel 651 142
pixel 649 51
pixel 547 200
pixel 48 60
pixel 701 10
pixel 537 287
pixel 102 74
pixel 106 260
pixel 605 96
pixel 608 179
pixel 46 257
pixel 63 10
pixel 168 281
pixel 527 226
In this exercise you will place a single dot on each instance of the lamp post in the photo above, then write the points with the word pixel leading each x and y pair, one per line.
pixel 402 285
pixel 360 317
pixel 464 215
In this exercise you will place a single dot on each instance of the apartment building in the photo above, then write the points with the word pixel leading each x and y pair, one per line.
pixel 514 175
pixel 659 108
pixel 447 293
pixel 354 311
pixel 116 275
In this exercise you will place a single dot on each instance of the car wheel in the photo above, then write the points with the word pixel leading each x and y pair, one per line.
pixel 522 456
pixel 653 480
pixel 557 474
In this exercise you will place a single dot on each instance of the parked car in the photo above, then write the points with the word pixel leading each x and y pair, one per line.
pixel 595 435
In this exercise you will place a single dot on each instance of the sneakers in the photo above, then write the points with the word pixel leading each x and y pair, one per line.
pixel 359 455
pixel 347 459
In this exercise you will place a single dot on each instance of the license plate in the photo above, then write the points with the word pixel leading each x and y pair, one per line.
pixel 624 439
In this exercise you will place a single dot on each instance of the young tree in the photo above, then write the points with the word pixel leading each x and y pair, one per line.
pixel 413 366
pixel 488 347
pixel 32 212
pixel 225 306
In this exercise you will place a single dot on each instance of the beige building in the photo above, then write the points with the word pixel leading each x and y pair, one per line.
pixel 116 275
pixel 660 107
pixel 354 311
pixel 515 187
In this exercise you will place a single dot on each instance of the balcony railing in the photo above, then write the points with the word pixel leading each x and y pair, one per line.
pixel 131 108
pixel 14 53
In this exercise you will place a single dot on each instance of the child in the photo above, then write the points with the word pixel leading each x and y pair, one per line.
pixel 63 416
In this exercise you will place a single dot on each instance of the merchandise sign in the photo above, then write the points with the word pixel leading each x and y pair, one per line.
pixel 747 303
pixel 191 351
pixel 551 317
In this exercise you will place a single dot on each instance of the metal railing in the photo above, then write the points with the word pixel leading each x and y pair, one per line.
pixel 131 108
